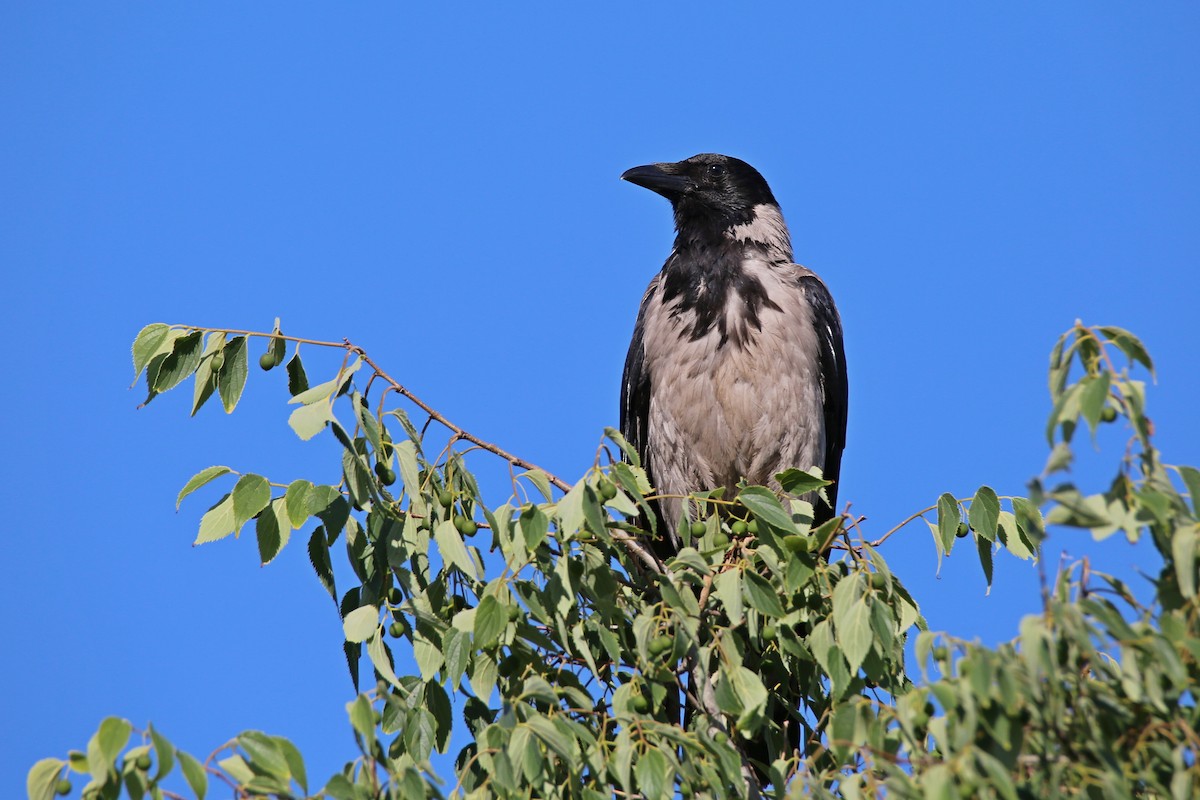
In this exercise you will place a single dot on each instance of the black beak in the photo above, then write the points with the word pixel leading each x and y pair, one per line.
pixel 660 178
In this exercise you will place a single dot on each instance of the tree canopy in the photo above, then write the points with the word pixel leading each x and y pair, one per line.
pixel 577 664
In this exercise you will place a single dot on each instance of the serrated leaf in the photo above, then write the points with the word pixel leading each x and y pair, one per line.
pixel 296 501
pixel 294 760
pixel 297 379
pixel 264 754
pixel 456 649
pixel 728 588
pixel 193 772
pixel 273 530
pixel 217 522
pixel 231 380
pixel 206 377
pixel 766 508
pixel 361 623
pixel 553 738
pixel 750 692
pixel 483 677
pixel 309 420
pixel 428 656
pixel 949 516
pixel 318 556
pixel 853 629
pixel 984 513
pixel 761 595
pixel 454 551
pixel 653 773
pixel 1191 480
pixel 146 345
pixel 1183 552
pixel 180 363
pixel 251 494
pixel 201 478
pixel 490 621
pixel 380 655
pixel 1129 344
pixel 798 482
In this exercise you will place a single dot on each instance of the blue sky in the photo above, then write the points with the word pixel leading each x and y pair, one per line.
pixel 441 186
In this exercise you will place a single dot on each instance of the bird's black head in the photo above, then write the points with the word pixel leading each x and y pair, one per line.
pixel 707 189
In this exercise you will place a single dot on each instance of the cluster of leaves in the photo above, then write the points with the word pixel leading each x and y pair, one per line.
pixel 585 667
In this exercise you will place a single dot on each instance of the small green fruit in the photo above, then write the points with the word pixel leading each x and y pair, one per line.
pixel 878 580
pixel 940 653
pixel 143 762
pixel 639 703
pixel 720 539
pixel 963 530
pixel 218 361
pixel 386 475
pixel 769 632
pixel 660 644
pixel 395 596
pixel 738 527
pixel 1108 414
pixel 63 787
pixel 466 527
pixel 445 498
pixel 607 491
pixel 267 361
pixel 752 526
pixel 396 629
pixel 514 613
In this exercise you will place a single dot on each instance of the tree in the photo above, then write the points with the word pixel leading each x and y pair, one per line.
pixel 572 650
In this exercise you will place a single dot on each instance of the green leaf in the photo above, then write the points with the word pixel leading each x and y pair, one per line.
pixel 264 754
pixel 985 559
pixel 483 677
pixel 728 588
pixel 854 634
pixel 428 656
pixel 454 552
pixel 251 494
pixel 1191 479
pixel 231 380
pixel 146 345
pixel 1183 552
pixel 44 775
pixel 380 655
pixel 766 508
pixel 201 478
pixel 309 420
pixel 362 717
pixel 165 753
pixel 553 738
pixel 1129 344
pixel 761 595
pixel 750 692
pixel 295 762
pixel 217 522
pixel 106 744
pixel 949 516
pixel 318 556
pixel 296 501
pixel 490 621
pixel 361 623
pixel 206 377
pixel 193 772
pixel 237 768
pixel 297 379
pixel 180 363
pixel 984 513
pixel 1092 398
pixel 798 482
pixel 456 648
pixel 654 774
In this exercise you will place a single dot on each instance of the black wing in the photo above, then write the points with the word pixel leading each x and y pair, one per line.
pixel 635 396
pixel 834 386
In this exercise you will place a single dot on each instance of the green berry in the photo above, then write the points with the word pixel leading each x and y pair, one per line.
pixel 1108 414
pixel 752 526
pixel 218 361
pixel 386 475
pixel 445 498
pixel 639 704
pixel 698 527
pixel 769 632
pixel 720 539
pixel 514 613
pixel 878 580
pixel 396 629
pixel 607 491
pixel 963 530
pixel 267 361
pixel 660 644
pixel 143 762
pixel 738 527
pixel 63 787
pixel 940 653
pixel 395 596
pixel 466 527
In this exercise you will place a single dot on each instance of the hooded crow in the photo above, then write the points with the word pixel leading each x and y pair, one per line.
pixel 736 370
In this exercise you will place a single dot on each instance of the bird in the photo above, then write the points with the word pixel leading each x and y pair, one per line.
pixel 737 368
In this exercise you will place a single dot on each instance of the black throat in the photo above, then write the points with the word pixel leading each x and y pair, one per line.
pixel 704 272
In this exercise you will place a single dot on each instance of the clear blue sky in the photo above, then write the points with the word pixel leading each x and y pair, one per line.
pixel 441 187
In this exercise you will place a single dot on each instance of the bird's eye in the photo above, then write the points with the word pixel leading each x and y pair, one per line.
pixel 716 170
